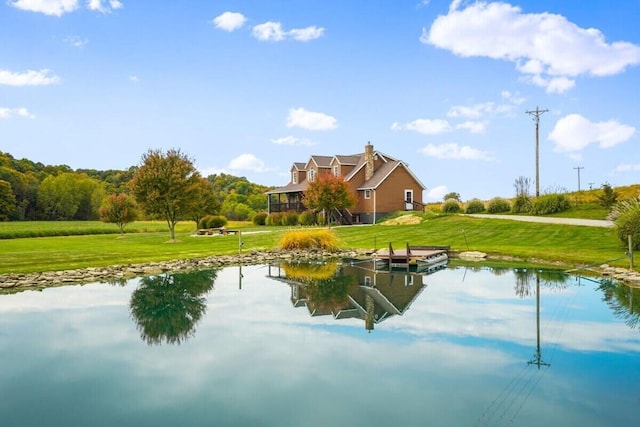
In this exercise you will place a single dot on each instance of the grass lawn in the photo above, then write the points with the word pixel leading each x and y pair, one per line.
pixel 573 245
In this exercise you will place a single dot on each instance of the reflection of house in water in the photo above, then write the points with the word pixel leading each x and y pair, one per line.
pixel 354 290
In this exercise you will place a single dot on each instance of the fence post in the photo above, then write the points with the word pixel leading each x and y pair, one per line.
pixel 629 238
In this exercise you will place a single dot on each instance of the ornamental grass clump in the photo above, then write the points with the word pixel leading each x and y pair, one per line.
pixel 309 239
pixel 626 215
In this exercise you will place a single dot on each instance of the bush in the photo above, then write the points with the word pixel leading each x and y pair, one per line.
pixel 627 220
pixel 260 218
pixel 275 218
pixel 451 206
pixel 498 205
pixel 216 221
pixel 550 204
pixel 307 218
pixel 474 206
pixel 521 204
pixel 628 224
pixel 290 218
pixel 204 221
pixel 309 239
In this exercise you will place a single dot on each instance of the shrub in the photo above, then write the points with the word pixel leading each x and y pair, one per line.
pixel 521 204
pixel 204 221
pixel 260 218
pixel 474 206
pixel 307 218
pixel 451 206
pixel 549 204
pixel 216 221
pixel 309 239
pixel 290 218
pixel 498 205
pixel 626 215
pixel 275 218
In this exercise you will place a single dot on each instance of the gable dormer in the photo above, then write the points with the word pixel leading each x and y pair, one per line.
pixel 298 173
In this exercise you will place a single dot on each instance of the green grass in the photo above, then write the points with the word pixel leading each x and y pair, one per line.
pixel 571 245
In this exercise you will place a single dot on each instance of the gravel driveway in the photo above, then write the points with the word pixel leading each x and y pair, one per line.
pixel 550 220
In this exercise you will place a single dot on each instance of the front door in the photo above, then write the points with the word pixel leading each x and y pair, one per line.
pixel 408 200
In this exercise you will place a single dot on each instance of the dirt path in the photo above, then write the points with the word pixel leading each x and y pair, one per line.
pixel 550 220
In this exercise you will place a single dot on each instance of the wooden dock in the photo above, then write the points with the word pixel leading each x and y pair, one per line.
pixel 412 255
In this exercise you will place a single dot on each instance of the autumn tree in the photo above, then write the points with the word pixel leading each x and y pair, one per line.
pixel 165 185
pixel 119 209
pixel 328 192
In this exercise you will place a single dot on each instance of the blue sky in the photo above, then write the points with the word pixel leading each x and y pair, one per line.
pixel 249 87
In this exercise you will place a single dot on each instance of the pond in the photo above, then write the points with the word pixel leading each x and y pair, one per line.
pixel 324 344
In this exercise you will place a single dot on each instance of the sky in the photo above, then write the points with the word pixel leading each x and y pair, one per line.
pixel 248 87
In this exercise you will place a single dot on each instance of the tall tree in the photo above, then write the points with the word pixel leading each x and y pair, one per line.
pixel 119 209
pixel 204 201
pixel 328 192
pixel 165 185
pixel 7 200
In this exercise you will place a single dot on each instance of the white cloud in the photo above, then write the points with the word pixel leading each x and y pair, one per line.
pixel 48 7
pixel 229 21
pixel 60 7
pixel 453 151
pixel 273 31
pixel 424 126
pixel 248 162
pixel 437 192
pixel 306 34
pixel 548 50
pixel 28 78
pixel 299 117
pixel 8 113
pixel 627 168
pixel 574 132
pixel 134 78
pixel 292 140
pixel 473 126
pixel 76 41
pixel 104 6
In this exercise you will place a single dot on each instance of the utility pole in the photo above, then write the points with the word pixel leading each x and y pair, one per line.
pixel 536 117
pixel 578 169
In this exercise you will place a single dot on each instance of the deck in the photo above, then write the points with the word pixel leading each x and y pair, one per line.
pixel 412 255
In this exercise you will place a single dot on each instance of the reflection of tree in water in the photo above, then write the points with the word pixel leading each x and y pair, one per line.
pixel 550 279
pixel 167 307
pixel 623 300
pixel 326 288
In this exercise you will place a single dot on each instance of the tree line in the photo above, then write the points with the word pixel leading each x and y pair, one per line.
pixel 35 191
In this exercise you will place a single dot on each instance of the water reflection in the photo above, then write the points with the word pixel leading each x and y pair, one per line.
pixel 351 289
pixel 167 307
pixel 623 300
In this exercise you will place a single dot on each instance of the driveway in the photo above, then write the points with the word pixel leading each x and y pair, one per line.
pixel 550 220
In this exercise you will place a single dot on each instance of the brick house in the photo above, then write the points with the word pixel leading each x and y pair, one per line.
pixel 380 183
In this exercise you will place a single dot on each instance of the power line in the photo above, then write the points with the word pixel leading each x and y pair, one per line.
pixel 536 114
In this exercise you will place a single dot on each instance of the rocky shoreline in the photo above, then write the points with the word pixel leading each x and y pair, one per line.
pixel 118 273
pixel 13 282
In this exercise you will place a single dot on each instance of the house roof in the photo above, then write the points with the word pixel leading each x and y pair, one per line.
pixel 321 161
pixel 379 176
pixel 382 172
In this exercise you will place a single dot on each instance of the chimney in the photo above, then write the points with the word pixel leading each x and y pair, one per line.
pixel 368 160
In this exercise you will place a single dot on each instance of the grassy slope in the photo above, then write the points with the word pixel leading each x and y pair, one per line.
pixel 574 245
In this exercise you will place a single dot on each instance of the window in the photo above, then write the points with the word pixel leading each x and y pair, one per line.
pixel 367 280
pixel 367 194
pixel 312 174
pixel 336 169
pixel 408 280
pixel 294 177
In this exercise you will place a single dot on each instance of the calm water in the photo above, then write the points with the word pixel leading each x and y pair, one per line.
pixel 299 345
